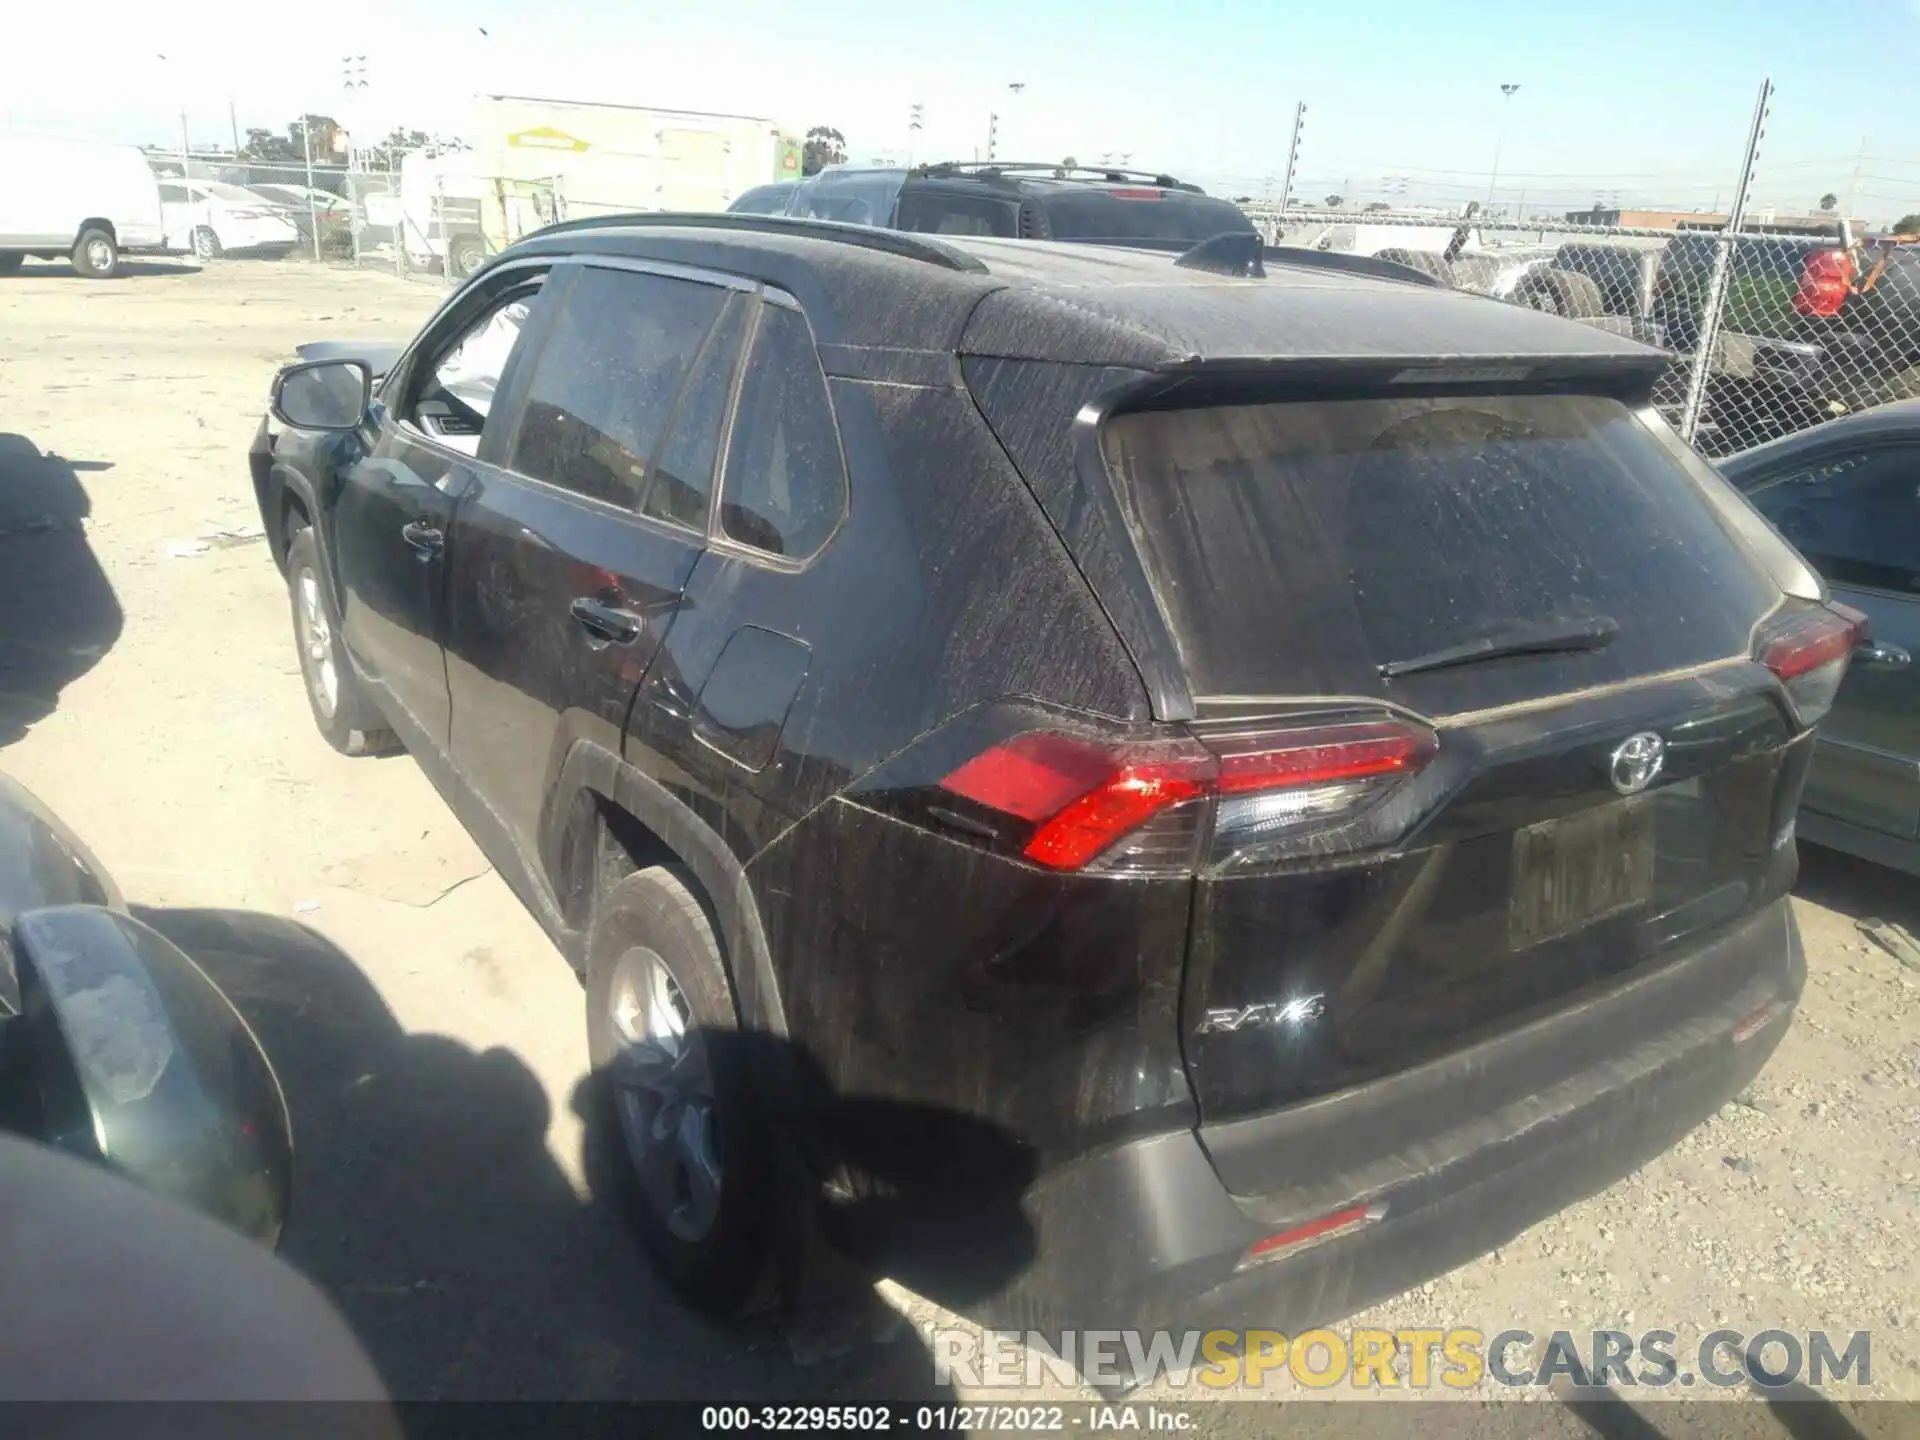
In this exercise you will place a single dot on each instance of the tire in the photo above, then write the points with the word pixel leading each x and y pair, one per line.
pixel 346 717
pixel 695 1193
pixel 96 254
pixel 466 254
pixel 11 260
pixel 206 244
pixel 1562 292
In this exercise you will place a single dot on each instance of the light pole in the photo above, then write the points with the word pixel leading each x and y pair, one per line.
pixel 916 113
pixel 186 170
pixel 1499 139
pixel 1015 88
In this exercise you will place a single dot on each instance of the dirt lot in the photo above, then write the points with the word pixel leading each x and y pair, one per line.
pixel 431 1039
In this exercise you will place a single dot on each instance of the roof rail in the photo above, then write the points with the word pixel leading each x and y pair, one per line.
pixel 868 237
pixel 1272 255
pixel 991 169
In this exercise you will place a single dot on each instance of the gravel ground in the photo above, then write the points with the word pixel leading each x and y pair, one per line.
pixel 431 1039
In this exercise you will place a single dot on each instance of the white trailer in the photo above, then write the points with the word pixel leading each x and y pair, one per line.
pixel 536 161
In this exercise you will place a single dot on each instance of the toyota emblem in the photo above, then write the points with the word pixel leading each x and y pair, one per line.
pixel 1637 761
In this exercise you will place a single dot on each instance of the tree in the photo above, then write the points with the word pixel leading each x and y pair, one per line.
pixel 1334 202
pixel 1828 201
pixel 1069 163
pixel 825 146
pixel 1907 225
pixel 1377 205
pixel 321 129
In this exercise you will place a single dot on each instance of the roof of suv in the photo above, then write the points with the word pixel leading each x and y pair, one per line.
pixel 1086 303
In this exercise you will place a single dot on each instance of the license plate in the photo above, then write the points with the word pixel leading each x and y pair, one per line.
pixel 1569 873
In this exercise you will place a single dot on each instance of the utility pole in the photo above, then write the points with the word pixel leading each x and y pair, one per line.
pixel 233 123
pixel 1499 140
pixel 1709 337
pixel 1293 155
pixel 915 114
pixel 1853 189
pixel 993 133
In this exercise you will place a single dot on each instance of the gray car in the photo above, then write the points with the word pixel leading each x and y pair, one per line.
pixel 1847 493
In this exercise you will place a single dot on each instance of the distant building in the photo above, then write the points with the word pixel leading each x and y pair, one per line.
pixel 1765 222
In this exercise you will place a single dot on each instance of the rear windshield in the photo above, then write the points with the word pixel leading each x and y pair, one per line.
pixel 1298 546
pixel 1173 215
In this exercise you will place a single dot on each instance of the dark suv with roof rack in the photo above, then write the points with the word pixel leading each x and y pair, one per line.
pixel 1129 790
pixel 1033 202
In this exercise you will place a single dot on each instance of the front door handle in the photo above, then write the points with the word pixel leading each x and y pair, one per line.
pixel 1880 653
pixel 607 622
pixel 427 540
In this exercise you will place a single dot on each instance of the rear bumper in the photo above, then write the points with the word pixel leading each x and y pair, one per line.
pixel 1148 1235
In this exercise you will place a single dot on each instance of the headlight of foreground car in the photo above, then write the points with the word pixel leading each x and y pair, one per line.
pixel 126 1054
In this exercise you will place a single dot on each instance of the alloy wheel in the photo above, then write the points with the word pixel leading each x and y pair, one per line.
pixel 663 1088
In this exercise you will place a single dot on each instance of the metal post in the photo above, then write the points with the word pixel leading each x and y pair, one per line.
pixel 1293 157
pixel 313 213
pixel 1499 140
pixel 1709 335
pixel 393 188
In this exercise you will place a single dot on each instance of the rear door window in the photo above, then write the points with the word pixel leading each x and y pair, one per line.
pixel 1144 214
pixel 1298 547
pixel 1855 516
pixel 943 212
pixel 605 382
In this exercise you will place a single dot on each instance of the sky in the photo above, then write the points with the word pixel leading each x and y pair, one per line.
pixel 1639 99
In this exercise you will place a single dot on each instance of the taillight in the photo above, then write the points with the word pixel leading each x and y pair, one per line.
pixel 1134 807
pixel 1825 282
pixel 1808 651
pixel 1137 194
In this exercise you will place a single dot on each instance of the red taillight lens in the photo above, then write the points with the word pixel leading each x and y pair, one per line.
pixel 1809 652
pixel 1084 798
pixel 1825 282
pixel 1136 194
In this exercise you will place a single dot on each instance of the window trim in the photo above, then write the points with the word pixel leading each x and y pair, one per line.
pixel 399 379
pixel 717 538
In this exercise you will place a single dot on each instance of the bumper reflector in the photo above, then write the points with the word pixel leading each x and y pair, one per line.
pixel 1302 1237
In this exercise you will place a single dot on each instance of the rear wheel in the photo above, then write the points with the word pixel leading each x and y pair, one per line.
pixel 465 255
pixel 96 254
pixel 341 709
pixel 206 244
pixel 671 1103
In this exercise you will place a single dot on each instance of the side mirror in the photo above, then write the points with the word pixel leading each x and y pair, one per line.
pixel 126 1054
pixel 323 395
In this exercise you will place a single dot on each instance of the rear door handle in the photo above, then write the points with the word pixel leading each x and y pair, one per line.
pixel 1880 653
pixel 607 622
pixel 426 539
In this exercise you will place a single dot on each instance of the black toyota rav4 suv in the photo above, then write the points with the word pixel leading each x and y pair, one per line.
pixel 1198 787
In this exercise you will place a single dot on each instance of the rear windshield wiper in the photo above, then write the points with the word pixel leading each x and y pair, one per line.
pixel 1545 637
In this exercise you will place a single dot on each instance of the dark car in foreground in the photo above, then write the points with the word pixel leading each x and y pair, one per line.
pixel 1036 202
pixel 1230 781
pixel 1847 493
pixel 116 1048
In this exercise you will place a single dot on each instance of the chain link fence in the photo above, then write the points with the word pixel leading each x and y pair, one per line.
pixel 1769 332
